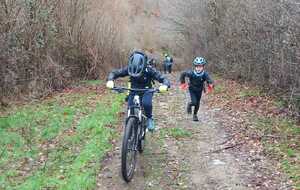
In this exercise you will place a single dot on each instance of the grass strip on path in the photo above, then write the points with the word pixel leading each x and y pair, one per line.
pixel 58 143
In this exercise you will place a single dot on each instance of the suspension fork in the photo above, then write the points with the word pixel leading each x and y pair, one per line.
pixel 135 130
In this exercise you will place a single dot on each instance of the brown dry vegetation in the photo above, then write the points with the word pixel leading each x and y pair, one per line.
pixel 256 41
pixel 44 45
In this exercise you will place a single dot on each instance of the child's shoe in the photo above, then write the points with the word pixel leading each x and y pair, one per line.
pixel 150 125
pixel 195 117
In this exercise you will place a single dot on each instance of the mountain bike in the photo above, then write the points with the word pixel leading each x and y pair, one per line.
pixel 135 132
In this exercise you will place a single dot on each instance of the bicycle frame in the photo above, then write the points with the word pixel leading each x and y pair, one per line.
pixel 134 133
pixel 136 102
pixel 136 111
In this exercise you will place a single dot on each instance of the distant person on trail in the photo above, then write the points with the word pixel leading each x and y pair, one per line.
pixel 168 63
pixel 197 77
pixel 141 77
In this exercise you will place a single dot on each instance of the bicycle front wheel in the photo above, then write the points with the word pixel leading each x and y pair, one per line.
pixel 128 160
pixel 142 136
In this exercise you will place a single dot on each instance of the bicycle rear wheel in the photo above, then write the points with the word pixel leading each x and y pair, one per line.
pixel 128 160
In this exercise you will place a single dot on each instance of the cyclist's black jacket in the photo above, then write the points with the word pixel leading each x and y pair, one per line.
pixel 196 81
pixel 144 81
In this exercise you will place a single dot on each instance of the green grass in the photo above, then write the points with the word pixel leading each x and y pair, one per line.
pixel 175 132
pixel 293 171
pixel 280 103
pixel 69 132
pixel 92 82
pixel 293 103
pixel 157 161
pixel 250 92
pixel 218 89
pixel 286 146
pixel 216 76
pixel 281 126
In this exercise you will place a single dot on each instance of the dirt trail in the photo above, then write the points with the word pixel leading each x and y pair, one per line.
pixel 201 161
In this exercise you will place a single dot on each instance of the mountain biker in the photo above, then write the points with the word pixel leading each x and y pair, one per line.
pixel 197 77
pixel 168 63
pixel 141 77
pixel 150 63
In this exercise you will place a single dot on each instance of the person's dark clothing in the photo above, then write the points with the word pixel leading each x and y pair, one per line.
pixel 146 100
pixel 167 67
pixel 170 68
pixel 196 84
pixel 168 63
pixel 196 81
pixel 195 100
pixel 144 81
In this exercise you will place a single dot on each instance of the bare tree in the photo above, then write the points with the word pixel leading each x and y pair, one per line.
pixel 246 40
pixel 44 45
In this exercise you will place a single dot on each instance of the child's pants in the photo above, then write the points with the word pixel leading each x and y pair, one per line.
pixel 167 68
pixel 146 101
pixel 195 99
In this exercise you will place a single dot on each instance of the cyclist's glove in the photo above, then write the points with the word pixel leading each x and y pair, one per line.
pixel 210 88
pixel 110 84
pixel 183 86
pixel 163 88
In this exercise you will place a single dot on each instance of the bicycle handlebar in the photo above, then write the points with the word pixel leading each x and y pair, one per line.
pixel 122 89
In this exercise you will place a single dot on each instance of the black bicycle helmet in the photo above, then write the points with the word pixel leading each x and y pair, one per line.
pixel 137 63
